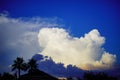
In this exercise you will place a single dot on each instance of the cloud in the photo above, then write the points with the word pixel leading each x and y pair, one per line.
pixel 57 69
pixel 85 52
pixel 19 37
pixel 21 33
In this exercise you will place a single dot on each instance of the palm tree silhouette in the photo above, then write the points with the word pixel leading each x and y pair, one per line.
pixel 32 65
pixel 19 65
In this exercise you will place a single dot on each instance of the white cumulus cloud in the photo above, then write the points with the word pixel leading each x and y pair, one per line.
pixel 84 52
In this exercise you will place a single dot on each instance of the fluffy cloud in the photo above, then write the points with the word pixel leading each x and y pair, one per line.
pixel 85 52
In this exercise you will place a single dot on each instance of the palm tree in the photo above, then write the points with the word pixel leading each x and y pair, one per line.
pixel 19 65
pixel 32 65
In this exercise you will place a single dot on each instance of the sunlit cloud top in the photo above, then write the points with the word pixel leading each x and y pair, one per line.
pixel 85 52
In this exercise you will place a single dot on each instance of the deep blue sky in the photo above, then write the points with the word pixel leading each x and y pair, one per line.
pixel 80 16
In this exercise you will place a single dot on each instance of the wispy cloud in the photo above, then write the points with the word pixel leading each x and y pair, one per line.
pixel 20 34
pixel 85 52
pixel 19 37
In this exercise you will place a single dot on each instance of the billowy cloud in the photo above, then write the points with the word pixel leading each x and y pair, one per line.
pixel 85 52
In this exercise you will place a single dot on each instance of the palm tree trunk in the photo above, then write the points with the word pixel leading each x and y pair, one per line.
pixel 18 73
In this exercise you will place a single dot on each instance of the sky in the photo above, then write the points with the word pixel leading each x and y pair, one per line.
pixel 81 33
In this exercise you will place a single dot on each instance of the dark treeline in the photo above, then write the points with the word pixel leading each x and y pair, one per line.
pixel 33 73
pixel 7 76
pixel 94 76
pixel 97 76
pixel 31 67
pixel 18 66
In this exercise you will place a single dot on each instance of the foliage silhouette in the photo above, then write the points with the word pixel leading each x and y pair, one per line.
pixel 19 65
pixel 97 76
pixel 69 78
pixel 32 65
pixel 7 76
pixel 0 75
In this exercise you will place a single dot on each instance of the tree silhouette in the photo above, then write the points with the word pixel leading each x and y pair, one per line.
pixel 69 78
pixel 7 76
pixel 19 65
pixel 32 65
pixel 0 76
pixel 97 76
pixel 89 76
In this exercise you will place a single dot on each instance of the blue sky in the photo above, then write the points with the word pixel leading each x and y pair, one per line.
pixel 77 16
